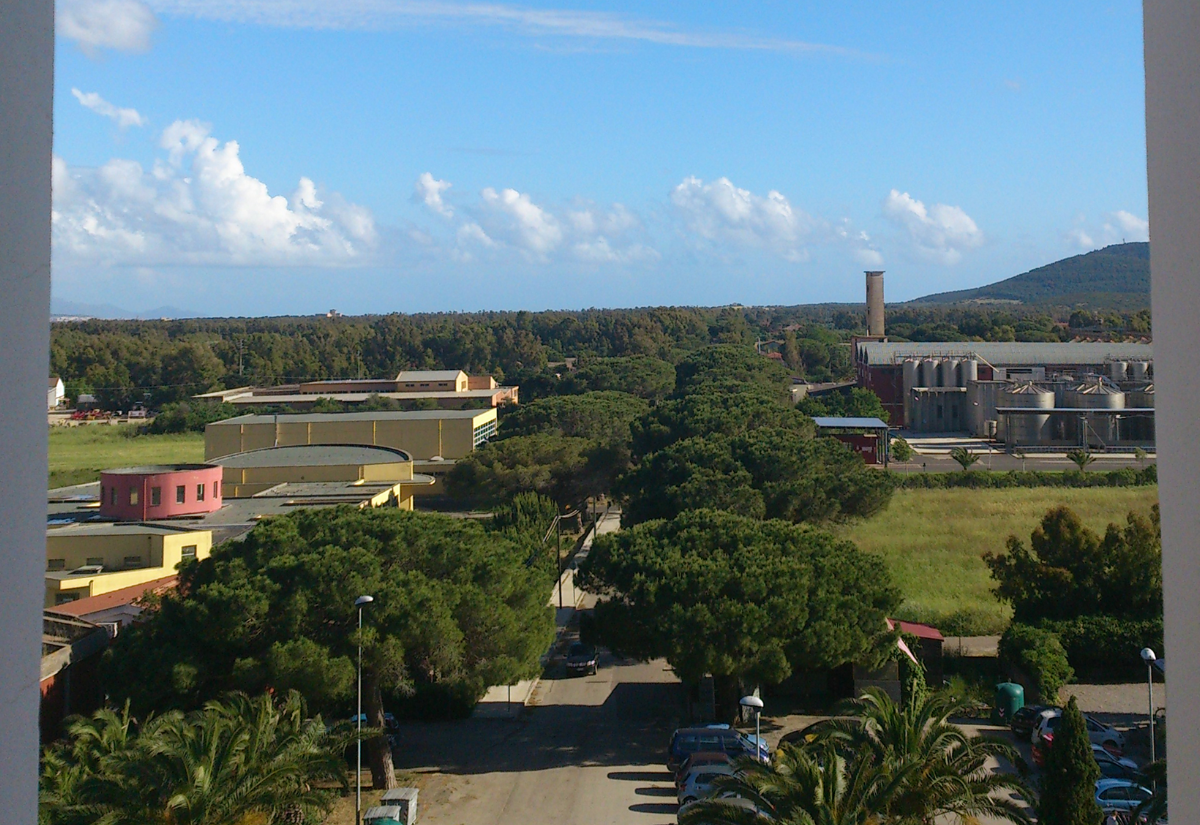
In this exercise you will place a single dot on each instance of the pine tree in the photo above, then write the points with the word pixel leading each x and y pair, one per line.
pixel 1068 787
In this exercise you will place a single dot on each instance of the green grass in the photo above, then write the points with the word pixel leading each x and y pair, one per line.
pixel 78 454
pixel 932 541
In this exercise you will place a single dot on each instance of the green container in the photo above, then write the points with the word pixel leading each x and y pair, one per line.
pixel 1010 698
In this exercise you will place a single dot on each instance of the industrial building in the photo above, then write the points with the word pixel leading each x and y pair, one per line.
pixel 1093 395
pixel 160 491
pixel 84 560
pixel 866 437
pixel 449 389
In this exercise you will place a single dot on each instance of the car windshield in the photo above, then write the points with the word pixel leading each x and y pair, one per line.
pixel 579 649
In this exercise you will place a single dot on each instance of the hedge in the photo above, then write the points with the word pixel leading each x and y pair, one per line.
pixel 1039 655
pixel 985 479
pixel 1107 647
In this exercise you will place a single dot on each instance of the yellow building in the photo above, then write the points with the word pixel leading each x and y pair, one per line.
pixel 449 389
pixel 257 472
pixel 423 434
pixel 92 559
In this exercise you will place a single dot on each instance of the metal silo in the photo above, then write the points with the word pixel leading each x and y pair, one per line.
pixel 909 372
pixel 1119 370
pixel 948 370
pixel 968 371
pixel 1139 428
pixel 929 372
pixel 1101 430
pixel 1027 430
pixel 1139 370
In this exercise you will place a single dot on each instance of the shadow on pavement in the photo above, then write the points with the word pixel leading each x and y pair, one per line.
pixel 654 808
pixel 642 776
pixel 655 792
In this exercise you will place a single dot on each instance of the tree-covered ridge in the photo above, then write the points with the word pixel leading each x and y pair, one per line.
pixel 1116 277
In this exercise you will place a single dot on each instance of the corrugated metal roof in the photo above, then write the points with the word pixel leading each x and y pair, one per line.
pixel 857 423
pixel 429 375
pixel 377 415
pixel 1005 354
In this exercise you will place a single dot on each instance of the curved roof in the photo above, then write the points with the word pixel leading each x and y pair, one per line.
pixel 314 455
pixel 153 469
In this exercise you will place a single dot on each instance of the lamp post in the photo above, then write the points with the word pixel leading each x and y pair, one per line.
pixel 757 704
pixel 360 603
pixel 1148 657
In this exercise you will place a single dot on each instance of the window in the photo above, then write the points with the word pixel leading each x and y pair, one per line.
pixel 133 495
pixel 180 494
pixel 133 561
pixel 188 551
pixel 216 489
pixel 199 492
pixel 63 598
pixel 155 496
pixel 56 564
pixel 484 432
pixel 112 496
pixel 95 561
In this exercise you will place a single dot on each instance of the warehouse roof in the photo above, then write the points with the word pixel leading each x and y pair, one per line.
pixel 429 375
pixel 153 469
pixel 377 415
pixel 313 455
pixel 359 397
pixel 123 528
pixel 1004 354
pixel 832 422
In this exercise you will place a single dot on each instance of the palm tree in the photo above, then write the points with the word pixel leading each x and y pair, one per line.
pixel 809 784
pixel 964 457
pixel 1081 458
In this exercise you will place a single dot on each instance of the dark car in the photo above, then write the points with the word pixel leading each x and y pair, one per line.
pixel 1023 720
pixel 581 658
pixel 686 741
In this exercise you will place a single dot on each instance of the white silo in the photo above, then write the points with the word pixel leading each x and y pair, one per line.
pixel 1100 430
pixel 1027 429
pixel 929 372
pixel 948 372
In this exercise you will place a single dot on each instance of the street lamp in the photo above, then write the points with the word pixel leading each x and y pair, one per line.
pixel 757 704
pixel 360 603
pixel 1148 657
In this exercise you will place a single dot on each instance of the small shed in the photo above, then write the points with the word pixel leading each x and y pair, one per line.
pixel 930 652
pixel 868 437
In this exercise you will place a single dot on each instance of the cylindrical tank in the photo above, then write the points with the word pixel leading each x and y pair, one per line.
pixel 1118 370
pixel 948 370
pixel 1025 430
pixel 1010 698
pixel 909 372
pixel 1100 430
pixel 1139 370
pixel 1141 427
pixel 968 371
pixel 875 304
pixel 929 372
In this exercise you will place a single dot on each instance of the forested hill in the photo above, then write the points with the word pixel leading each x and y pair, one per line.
pixel 1116 277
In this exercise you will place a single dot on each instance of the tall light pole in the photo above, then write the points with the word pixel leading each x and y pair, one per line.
pixel 757 704
pixel 1148 657
pixel 360 603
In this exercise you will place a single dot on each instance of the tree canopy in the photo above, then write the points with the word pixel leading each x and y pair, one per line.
pixel 722 594
pixel 456 609
pixel 604 417
pixel 562 468
pixel 1069 783
pixel 641 375
pixel 1068 570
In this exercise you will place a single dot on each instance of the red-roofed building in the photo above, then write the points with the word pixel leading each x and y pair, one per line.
pixel 931 646
pixel 116 609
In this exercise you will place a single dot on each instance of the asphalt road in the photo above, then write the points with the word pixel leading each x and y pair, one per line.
pixel 589 751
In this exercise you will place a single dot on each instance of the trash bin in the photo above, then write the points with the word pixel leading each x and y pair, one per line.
pixel 1010 698
pixel 404 799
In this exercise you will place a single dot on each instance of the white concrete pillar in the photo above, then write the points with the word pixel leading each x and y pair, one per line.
pixel 26 98
pixel 1172 38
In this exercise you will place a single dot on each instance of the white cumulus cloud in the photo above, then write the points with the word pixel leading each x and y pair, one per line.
pixel 1130 226
pixel 721 212
pixel 514 215
pixel 1117 227
pixel 120 25
pixel 939 233
pixel 199 206
pixel 428 190
pixel 123 117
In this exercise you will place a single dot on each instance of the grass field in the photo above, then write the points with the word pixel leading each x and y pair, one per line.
pixel 78 454
pixel 932 541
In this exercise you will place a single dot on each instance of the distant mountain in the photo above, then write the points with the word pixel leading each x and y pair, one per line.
pixel 60 308
pixel 1116 277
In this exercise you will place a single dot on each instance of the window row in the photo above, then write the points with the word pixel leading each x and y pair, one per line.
pixel 156 494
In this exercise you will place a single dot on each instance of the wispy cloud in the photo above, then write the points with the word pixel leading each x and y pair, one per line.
pixel 123 117
pixel 390 14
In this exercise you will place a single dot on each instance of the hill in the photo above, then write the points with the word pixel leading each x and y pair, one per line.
pixel 1116 277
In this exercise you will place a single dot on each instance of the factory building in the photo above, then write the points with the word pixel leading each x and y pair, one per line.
pixel 160 491
pixel 1095 395
pixel 449 389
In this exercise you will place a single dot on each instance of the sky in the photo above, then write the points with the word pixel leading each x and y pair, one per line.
pixel 271 157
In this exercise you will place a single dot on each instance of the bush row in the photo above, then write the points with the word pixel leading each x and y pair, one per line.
pixel 983 479
pixel 1039 655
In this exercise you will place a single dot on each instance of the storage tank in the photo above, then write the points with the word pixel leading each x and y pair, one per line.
pixel 1027 430
pixel 1119 370
pixel 968 371
pixel 1141 427
pixel 1139 370
pixel 929 372
pixel 1102 430
pixel 909 372
pixel 948 370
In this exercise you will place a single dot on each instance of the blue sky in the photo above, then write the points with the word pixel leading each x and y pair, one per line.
pixel 256 157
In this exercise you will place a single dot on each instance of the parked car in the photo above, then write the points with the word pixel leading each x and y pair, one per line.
pixel 1114 767
pixel 1099 733
pixel 727 797
pixel 581 658
pixel 686 741
pixel 698 783
pixel 1120 794
pixel 1023 720
pixel 699 759
pixel 1045 722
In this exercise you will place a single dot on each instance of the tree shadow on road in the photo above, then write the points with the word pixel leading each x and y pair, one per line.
pixel 642 776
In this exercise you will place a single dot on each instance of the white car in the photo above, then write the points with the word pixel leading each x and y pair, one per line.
pixel 1107 737
pixel 728 797
pixel 697 784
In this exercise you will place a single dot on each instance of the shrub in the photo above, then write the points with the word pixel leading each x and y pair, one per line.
pixel 1127 477
pixel 1106 647
pixel 1039 654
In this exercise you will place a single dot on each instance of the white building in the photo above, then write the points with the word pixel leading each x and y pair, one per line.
pixel 55 394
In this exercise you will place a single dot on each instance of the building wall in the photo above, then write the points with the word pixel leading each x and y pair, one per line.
pixel 160 554
pixel 130 496
pixel 863 444
pixel 249 481
pixel 888 383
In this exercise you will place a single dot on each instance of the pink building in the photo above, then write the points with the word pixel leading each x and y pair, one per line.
pixel 161 491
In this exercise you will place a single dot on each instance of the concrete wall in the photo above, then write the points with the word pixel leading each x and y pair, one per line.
pixel 249 481
pixel 160 553
pixel 116 501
